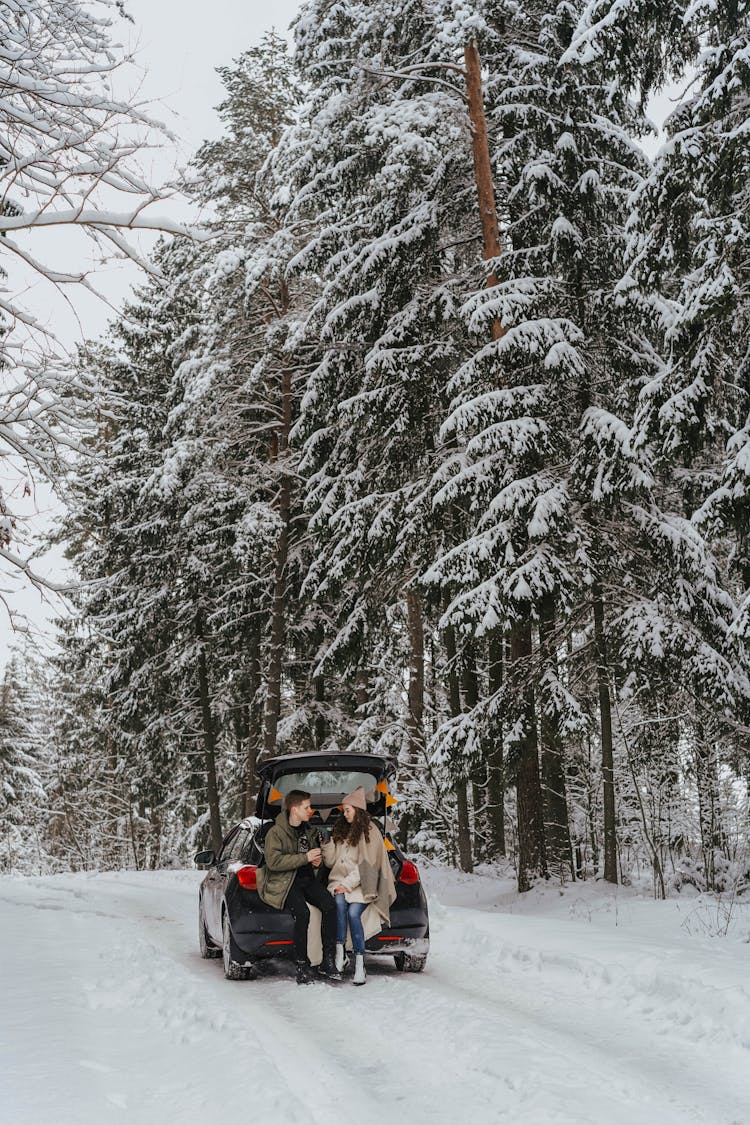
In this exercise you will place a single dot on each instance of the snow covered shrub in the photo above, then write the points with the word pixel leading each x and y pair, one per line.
pixel 428 843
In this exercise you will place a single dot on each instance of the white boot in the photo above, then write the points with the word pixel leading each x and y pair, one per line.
pixel 339 956
pixel 360 976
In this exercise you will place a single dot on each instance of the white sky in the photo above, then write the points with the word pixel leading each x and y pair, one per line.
pixel 177 44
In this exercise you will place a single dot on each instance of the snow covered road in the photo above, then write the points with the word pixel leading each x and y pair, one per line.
pixel 554 1010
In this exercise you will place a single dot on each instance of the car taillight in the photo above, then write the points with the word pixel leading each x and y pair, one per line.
pixel 408 873
pixel 248 877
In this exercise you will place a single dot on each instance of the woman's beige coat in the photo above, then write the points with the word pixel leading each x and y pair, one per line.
pixel 365 871
pixel 344 867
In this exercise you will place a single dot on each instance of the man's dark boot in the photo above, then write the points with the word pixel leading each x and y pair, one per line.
pixel 327 967
pixel 305 973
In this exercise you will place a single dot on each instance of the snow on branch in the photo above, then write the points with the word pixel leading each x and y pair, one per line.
pixel 69 158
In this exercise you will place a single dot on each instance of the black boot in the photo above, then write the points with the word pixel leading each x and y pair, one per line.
pixel 305 973
pixel 327 967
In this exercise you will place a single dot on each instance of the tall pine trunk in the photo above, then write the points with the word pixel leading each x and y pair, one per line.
pixel 482 166
pixel 707 784
pixel 362 690
pixel 531 850
pixel 605 718
pixel 470 681
pixel 416 676
pixel 556 822
pixel 209 742
pixel 463 825
pixel 495 755
pixel 278 608
pixel 415 699
pixel 253 724
pixel 251 761
pixel 532 864
pixel 320 726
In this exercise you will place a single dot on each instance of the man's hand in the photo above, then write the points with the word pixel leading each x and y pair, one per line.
pixel 314 857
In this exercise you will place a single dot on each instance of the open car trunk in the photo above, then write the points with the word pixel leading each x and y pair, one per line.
pixel 327 778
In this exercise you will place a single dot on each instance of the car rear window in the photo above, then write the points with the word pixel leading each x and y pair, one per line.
pixel 328 785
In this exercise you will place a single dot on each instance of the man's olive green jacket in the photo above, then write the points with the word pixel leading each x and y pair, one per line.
pixel 283 861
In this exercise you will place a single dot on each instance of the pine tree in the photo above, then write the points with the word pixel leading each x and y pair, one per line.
pixel 388 171
pixel 22 795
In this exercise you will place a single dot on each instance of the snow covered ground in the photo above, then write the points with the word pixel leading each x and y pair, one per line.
pixel 548 1009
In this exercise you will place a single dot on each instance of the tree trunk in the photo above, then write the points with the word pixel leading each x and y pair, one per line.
pixel 707 784
pixel 278 610
pixel 416 677
pixel 592 800
pixel 495 757
pixel 241 732
pixel 605 715
pixel 251 760
pixel 155 856
pixel 463 826
pixel 253 724
pixel 491 248
pixel 556 823
pixel 209 745
pixel 470 681
pixel 363 689
pixel 319 692
pixel 531 848
pixel 133 837
pixel 482 167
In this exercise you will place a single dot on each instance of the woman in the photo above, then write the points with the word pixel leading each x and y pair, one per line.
pixel 360 880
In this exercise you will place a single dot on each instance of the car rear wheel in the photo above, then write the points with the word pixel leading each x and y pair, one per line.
pixel 207 948
pixel 233 970
pixel 410 964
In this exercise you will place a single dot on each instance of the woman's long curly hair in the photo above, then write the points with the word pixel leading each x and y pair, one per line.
pixel 345 833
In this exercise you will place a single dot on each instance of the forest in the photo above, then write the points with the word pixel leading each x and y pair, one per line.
pixel 433 443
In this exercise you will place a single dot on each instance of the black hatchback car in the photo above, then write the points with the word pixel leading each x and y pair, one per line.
pixel 233 921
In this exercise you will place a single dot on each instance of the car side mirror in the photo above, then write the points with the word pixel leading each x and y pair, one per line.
pixel 205 859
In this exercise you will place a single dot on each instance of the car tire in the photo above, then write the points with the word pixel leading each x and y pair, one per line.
pixel 408 964
pixel 232 969
pixel 207 948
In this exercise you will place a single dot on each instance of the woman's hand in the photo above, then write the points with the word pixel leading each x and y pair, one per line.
pixel 339 890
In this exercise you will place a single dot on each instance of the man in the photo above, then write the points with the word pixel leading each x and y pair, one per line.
pixel 288 881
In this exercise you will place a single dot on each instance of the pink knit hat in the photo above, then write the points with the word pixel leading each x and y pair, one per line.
pixel 356 799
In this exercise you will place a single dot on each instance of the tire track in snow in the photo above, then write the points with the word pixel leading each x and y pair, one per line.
pixel 484 1067
pixel 363 1034
pixel 274 1016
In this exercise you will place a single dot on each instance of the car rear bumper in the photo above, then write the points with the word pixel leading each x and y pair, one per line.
pixel 385 945
pixel 270 933
pixel 265 936
pixel 409 932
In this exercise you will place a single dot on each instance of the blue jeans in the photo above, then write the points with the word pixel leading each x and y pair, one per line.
pixel 354 910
